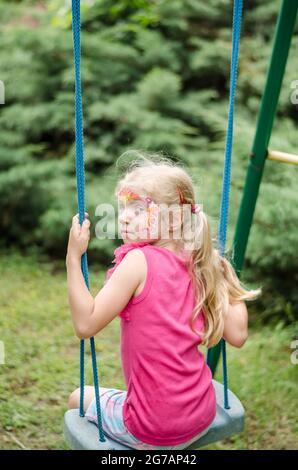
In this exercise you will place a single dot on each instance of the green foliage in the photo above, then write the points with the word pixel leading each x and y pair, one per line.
pixel 155 76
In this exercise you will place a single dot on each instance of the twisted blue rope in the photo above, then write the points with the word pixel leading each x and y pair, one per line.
pixel 225 196
pixel 224 208
pixel 80 172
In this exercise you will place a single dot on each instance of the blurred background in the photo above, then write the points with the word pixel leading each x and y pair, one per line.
pixel 155 77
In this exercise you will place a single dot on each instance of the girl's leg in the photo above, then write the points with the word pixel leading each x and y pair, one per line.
pixel 89 394
pixel 112 401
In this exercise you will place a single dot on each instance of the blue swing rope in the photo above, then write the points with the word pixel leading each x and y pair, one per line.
pixel 224 208
pixel 225 195
pixel 76 27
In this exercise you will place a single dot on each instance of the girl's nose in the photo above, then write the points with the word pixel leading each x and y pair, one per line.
pixel 125 215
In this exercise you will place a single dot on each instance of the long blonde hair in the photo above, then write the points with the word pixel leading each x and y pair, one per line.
pixel 216 284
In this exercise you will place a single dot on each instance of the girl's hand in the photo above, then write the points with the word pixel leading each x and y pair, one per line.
pixel 79 237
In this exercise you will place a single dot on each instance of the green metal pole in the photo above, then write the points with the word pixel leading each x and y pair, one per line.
pixel 282 41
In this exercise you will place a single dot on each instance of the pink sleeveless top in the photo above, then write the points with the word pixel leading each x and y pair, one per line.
pixel 170 395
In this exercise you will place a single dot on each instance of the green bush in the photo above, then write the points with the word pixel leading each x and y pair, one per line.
pixel 155 76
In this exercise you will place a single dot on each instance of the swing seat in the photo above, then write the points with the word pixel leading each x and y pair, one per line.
pixel 81 434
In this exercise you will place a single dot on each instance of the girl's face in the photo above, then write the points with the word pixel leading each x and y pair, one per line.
pixel 138 217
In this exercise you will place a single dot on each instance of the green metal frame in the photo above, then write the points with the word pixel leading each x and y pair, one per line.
pixel 282 41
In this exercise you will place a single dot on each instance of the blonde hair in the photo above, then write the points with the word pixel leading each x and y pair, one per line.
pixel 216 284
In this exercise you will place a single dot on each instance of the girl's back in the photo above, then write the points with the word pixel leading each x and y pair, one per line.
pixel 170 396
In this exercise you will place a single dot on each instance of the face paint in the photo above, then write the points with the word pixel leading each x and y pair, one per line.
pixel 152 216
pixel 127 196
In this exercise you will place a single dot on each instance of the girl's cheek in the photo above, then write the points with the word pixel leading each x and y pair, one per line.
pixel 138 224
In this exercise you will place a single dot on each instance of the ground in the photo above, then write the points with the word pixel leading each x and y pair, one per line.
pixel 42 365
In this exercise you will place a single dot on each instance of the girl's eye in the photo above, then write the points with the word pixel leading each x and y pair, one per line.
pixel 139 210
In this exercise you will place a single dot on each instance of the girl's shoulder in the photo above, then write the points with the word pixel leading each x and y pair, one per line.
pixel 153 254
pixel 150 250
pixel 121 251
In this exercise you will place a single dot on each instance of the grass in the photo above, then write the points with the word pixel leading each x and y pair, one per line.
pixel 41 365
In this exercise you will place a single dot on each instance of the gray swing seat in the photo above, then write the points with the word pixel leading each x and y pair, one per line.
pixel 81 434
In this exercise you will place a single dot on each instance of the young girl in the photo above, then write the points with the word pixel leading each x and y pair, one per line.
pixel 171 295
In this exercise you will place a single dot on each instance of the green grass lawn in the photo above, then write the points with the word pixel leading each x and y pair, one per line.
pixel 42 365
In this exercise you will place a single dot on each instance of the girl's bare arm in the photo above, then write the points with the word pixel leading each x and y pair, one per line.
pixel 235 327
pixel 90 315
